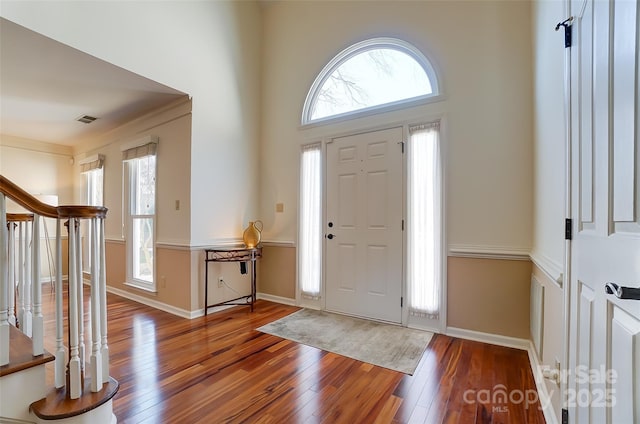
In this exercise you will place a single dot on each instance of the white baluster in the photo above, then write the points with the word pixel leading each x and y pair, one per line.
pixel 75 388
pixel 102 272
pixel 4 283
pixel 96 356
pixel 37 319
pixel 11 283
pixel 80 294
pixel 60 365
pixel 26 297
pixel 21 276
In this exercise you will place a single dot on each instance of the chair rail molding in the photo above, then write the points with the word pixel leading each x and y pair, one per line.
pixel 489 252
pixel 551 269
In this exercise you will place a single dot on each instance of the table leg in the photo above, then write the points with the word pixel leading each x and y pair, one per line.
pixel 206 284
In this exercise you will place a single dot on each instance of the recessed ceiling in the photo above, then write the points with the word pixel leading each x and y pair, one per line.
pixel 45 86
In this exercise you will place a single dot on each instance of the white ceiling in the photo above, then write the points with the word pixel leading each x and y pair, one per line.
pixel 45 86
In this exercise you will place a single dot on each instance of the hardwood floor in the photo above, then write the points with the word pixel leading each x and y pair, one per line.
pixel 218 369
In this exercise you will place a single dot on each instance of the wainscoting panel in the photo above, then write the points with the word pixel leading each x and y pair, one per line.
pixel 537 314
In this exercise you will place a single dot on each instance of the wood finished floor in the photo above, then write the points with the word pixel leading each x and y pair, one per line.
pixel 218 369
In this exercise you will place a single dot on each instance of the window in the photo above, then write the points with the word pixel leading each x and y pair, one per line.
pixel 368 75
pixel 424 221
pixel 310 237
pixel 92 170
pixel 140 172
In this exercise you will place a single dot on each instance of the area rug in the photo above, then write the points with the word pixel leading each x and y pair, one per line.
pixel 389 346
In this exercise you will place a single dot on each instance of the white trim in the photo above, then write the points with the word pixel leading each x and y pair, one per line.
pixel 173 246
pixel 277 243
pixel 551 269
pixel 114 240
pixel 417 325
pixel 375 110
pixel 489 252
pixel 183 313
pixel 543 394
pixel 37 146
pixel 220 242
pixel 276 299
pixel 496 339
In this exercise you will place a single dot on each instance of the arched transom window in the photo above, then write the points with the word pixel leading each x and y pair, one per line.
pixel 369 75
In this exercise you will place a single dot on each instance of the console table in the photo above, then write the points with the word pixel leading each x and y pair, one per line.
pixel 231 254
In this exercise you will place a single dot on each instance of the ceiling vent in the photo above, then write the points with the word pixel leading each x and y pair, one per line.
pixel 86 119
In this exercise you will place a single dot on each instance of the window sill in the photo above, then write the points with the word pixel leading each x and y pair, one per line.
pixel 141 287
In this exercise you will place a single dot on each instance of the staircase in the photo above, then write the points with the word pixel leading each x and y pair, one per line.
pixel 82 391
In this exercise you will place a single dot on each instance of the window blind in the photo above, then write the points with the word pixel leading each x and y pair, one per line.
pixel 148 149
pixel 94 162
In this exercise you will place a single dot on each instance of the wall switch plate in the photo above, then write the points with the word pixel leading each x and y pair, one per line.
pixel 279 207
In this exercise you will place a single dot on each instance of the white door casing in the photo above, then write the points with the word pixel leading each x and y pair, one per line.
pixel 604 342
pixel 363 266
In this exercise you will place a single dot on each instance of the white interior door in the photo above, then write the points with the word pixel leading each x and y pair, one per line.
pixel 363 266
pixel 604 383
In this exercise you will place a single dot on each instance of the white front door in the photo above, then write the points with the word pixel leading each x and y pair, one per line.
pixel 363 267
pixel 604 350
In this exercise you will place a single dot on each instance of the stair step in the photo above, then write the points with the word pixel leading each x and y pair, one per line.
pixel 57 404
pixel 21 354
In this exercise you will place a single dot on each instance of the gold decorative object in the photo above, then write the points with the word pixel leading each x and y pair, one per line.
pixel 252 233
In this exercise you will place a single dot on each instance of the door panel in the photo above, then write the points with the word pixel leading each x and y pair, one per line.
pixel 625 359
pixel 363 265
pixel 604 376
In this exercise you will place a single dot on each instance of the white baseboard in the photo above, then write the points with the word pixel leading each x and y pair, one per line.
pixel 543 394
pixel 496 339
pixel 276 299
pixel 183 313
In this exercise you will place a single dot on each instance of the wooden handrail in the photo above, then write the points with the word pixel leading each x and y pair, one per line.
pixel 19 217
pixel 27 201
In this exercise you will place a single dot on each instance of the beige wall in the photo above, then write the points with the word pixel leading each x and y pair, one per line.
pixel 208 49
pixel 259 64
pixel 482 50
pixel 172 270
pixel 489 296
pixel 277 271
pixel 172 126
pixel 484 295
pixel 37 167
